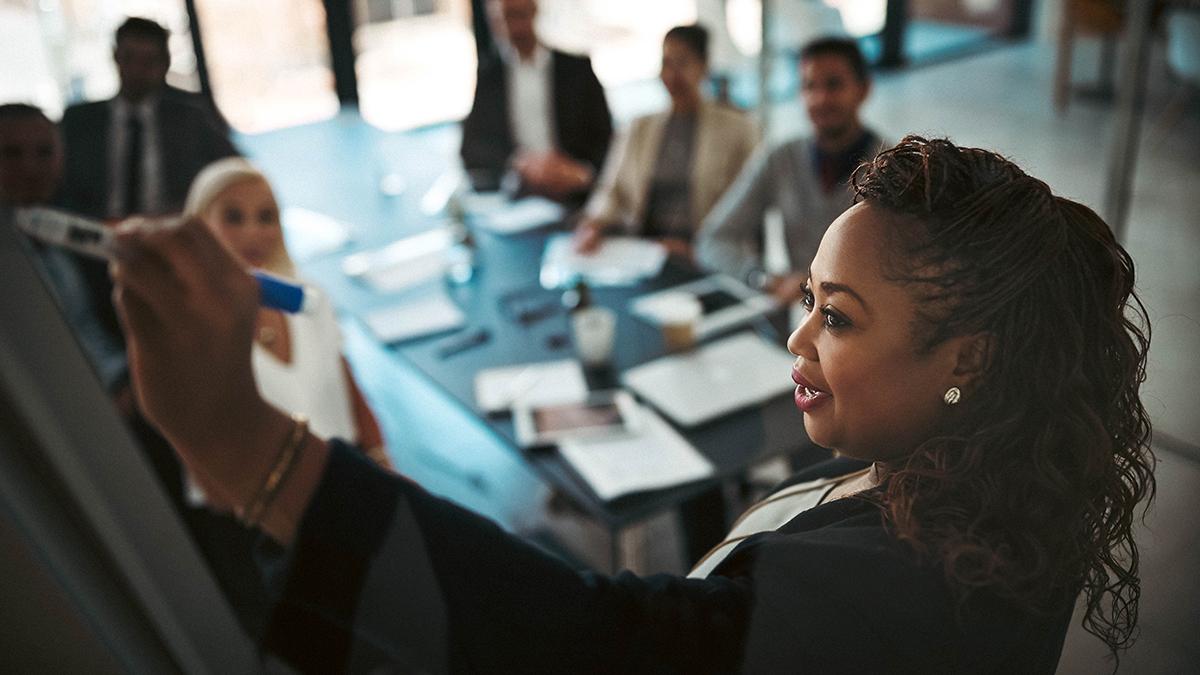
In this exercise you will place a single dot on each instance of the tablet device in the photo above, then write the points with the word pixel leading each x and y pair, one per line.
pixel 608 413
pixel 725 304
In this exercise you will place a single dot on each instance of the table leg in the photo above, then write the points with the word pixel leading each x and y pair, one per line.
pixel 1126 130
pixel 614 551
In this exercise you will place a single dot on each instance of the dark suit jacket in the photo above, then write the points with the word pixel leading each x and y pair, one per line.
pixel 202 101
pixel 422 585
pixel 582 123
pixel 190 140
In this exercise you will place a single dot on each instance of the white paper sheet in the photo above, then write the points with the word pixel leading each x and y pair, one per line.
pixel 498 389
pixel 421 316
pixel 656 457
pixel 620 261
pixel 402 264
pixel 496 213
pixel 310 234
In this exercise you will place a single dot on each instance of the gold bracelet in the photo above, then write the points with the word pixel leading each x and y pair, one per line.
pixel 283 465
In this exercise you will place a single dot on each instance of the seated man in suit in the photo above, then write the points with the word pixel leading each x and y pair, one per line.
pixel 539 115
pixel 31 163
pixel 137 152
pixel 805 179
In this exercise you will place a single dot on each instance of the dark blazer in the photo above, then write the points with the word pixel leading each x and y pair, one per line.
pixel 582 124
pixel 423 585
pixel 190 140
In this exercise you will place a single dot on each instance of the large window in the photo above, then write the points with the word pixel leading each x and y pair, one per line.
pixel 268 61
pixel 623 37
pixel 57 52
pixel 415 61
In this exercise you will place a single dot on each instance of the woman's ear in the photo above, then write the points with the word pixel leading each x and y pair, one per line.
pixel 974 356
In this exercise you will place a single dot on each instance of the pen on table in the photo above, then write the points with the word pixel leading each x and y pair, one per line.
pixel 459 344
pixel 92 238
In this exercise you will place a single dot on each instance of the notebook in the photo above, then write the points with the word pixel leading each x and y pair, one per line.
pixel 736 372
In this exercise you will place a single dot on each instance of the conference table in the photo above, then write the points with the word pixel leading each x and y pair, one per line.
pixel 526 323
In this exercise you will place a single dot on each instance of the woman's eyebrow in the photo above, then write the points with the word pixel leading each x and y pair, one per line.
pixel 829 288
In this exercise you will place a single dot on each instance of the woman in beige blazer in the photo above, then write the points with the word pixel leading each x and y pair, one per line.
pixel 668 169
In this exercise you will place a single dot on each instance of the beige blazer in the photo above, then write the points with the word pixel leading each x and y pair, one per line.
pixel 725 139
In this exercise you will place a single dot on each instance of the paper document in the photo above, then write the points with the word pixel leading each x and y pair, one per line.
pixel 620 261
pixel 423 315
pixel 534 384
pixel 402 264
pixel 310 234
pixel 654 458
pixel 495 212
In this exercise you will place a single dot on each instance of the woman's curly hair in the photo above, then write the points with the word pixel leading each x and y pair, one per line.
pixel 1029 490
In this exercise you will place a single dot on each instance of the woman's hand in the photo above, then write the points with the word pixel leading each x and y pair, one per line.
pixel 188 309
pixel 678 248
pixel 552 174
pixel 589 234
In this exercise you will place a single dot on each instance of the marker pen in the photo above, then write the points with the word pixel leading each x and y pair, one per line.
pixel 91 238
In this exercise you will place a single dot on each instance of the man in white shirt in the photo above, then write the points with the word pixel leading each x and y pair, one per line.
pixel 540 118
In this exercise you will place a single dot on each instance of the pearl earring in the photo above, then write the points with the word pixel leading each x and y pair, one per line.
pixel 953 396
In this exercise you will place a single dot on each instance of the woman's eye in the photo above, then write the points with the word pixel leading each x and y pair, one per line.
pixel 233 217
pixel 833 319
pixel 806 300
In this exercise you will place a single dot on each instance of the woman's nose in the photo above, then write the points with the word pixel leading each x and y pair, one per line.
pixel 800 342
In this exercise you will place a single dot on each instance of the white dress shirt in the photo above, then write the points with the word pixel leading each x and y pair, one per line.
pixel 530 109
pixel 151 159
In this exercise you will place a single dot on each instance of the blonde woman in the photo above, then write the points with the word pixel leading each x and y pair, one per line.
pixel 296 358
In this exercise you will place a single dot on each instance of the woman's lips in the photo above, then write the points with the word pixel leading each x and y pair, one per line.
pixel 808 397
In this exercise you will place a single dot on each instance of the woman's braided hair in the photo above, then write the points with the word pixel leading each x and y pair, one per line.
pixel 1029 491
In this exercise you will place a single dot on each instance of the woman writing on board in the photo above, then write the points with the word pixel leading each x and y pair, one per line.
pixel 971 336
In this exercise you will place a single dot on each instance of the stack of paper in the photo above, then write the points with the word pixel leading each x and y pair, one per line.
pixel 534 384
pixel 654 458
pixel 619 261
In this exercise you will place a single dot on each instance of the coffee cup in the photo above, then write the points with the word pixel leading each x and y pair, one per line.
pixel 593 330
pixel 679 316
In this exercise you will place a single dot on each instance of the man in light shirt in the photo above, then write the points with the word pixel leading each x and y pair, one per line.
pixel 540 118
pixel 806 179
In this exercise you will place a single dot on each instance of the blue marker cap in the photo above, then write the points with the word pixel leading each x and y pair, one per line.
pixel 279 294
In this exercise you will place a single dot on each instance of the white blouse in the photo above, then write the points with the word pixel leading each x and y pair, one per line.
pixel 773 512
pixel 313 384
